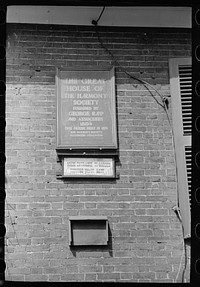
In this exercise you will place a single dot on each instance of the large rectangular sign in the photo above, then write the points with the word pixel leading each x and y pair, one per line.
pixel 86 108
pixel 88 167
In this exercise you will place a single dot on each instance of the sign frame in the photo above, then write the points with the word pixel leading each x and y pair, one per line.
pixel 94 175
pixel 113 144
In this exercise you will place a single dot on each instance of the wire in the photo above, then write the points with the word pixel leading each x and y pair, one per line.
pixel 144 83
pixel 185 263
pixel 184 253
pixel 101 14
pixel 12 223
pixel 95 22
pixel 179 268
pixel 176 210
pixel 164 105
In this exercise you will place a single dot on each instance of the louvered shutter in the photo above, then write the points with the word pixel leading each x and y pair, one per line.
pixel 181 98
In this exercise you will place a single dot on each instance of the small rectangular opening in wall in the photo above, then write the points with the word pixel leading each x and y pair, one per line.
pixel 91 230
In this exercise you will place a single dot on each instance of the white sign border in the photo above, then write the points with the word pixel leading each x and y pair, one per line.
pixel 112 161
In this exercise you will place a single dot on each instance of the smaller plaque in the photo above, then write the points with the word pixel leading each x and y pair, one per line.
pixel 88 167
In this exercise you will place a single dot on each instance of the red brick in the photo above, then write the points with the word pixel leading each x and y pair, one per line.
pixel 54 278
pixel 126 275
pixel 107 269
pixel 54 270
pixel 129 268
pixel 90 277
pixel 72 277
pixel 35 277
pixel 19 270
pixel 15 277
pixel 138 204
pixel 108 276
pixel 36 270
pixel 90 269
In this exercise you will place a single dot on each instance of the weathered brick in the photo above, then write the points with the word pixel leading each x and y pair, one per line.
pixel 54 270
pixel 72 277
pixel 130 268
pixel 126 275
pixel 54 278
pixel 36 277
pixel 90 269
pixel 36 270
pixel 15 277
pixel 19 270
pixel 108 276
pixel 143 230
pixel 107 269
pixel 90 277
pixel 141 276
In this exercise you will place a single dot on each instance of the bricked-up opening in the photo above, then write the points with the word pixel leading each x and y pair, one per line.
pixel 86 231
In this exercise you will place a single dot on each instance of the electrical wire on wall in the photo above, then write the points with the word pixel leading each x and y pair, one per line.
pixel 165 105
pixel 14 231
pixel 164 100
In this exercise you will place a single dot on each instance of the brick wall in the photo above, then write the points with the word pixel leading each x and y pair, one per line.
pixel 146 243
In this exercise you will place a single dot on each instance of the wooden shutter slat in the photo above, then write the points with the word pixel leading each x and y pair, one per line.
pixel 188 156
pixel 181 98
pixel 185 80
